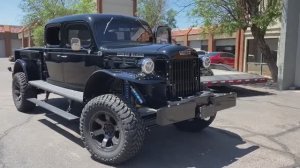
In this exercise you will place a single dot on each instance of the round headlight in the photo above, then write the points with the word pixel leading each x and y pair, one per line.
pixel 206 62
pixel 147 65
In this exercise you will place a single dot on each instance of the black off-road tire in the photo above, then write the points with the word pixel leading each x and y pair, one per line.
pixel 21 91
pixel 131 128
pixel 194 125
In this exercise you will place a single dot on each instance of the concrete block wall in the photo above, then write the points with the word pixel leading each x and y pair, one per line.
pixel 289 47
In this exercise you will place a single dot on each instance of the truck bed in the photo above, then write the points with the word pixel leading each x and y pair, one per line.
pixel 224 77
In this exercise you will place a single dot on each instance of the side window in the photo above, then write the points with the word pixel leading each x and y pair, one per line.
pixel 201 53
pixel 53 37
pixel 79 31
pixel 227 55
pixel 223 55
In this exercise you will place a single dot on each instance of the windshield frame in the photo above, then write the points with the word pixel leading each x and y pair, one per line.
pixel 100 42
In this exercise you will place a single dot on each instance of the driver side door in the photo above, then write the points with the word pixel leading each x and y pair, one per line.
pixel 52 54
pixel 78 65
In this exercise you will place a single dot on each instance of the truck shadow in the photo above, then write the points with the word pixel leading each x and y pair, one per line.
pixel 168 147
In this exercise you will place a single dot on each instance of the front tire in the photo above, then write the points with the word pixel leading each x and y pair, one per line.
pixel 194 125
pixel 111 130
pixel 22 91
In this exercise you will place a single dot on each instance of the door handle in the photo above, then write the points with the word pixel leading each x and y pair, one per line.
pixel 62 56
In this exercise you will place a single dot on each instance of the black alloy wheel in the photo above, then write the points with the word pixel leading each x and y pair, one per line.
pixel 105 131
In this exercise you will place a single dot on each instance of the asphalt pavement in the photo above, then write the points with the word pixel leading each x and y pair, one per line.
pixel 263 130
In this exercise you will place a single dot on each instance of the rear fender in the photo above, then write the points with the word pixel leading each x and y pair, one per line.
pixel 30 69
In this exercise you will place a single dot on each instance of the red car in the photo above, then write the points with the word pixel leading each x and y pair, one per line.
pixel 221 58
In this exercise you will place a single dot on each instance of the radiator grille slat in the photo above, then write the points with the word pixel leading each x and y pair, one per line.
pixel 184 77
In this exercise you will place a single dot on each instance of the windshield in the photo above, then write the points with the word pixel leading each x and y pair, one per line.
pixel 211 54
pixel 201 52
pixel 124 30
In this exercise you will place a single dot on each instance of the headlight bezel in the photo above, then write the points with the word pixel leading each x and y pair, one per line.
pixel 206 62
pixel 147 66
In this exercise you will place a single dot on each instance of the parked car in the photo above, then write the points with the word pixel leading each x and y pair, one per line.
pixel 201 53
pixel 221 58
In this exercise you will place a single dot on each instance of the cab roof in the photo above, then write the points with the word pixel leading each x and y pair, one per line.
pixel 89 18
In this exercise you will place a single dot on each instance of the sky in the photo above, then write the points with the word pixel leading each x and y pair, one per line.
pixel 11 14
pixel 182 18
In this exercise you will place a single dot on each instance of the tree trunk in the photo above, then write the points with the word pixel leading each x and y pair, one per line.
pixel 259 35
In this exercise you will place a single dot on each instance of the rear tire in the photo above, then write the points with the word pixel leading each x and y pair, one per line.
pixel 22 91
pixel 194 125
pixel 111 130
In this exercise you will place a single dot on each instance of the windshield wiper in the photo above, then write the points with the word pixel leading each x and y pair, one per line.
pixel 108 23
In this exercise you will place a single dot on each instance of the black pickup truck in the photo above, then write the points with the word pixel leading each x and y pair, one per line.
pixel 127 76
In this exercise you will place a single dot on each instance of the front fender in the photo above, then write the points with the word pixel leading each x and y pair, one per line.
pixel 100 81
pixel 132 76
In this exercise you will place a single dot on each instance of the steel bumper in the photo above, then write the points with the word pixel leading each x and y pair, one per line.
pixel 208 104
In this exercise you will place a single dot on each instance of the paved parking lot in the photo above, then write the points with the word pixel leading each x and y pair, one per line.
pixel 263 130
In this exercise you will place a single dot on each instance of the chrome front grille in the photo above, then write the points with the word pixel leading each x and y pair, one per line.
pixel 184 77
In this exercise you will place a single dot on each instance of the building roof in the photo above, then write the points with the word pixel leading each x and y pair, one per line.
pixel 10 28
pixel 196 31
pixel 187 31
pixel 180 32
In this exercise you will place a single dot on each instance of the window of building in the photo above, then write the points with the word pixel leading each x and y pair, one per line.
pixel 230 49
pixel 255 59
pixel 204 47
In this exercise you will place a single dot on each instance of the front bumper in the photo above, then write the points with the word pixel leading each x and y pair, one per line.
pixel 207 103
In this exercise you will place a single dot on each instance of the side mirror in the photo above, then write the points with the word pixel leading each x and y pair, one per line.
pixel 75 44
pixel 163 35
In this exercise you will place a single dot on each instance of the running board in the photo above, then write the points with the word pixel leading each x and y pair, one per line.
pixel 53 109
pixel 67 93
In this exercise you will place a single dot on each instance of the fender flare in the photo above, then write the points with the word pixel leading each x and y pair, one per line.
pixel 102 76
pixel 31 71
pixel 20 66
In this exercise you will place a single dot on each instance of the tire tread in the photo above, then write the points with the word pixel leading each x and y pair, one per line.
pixel 133 124
pixel 26 92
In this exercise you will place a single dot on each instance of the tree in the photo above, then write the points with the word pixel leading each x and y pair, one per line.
pixel 154 12
pixel 231 15
pixel 38 12
pixel 170 18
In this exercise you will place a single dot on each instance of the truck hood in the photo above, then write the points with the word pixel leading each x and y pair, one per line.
pixel 131 50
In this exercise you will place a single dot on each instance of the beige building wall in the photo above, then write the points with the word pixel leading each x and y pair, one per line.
pixel 121 7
